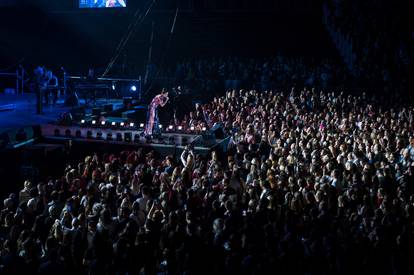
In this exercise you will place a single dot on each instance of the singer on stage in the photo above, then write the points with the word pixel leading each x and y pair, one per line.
pixel 152 115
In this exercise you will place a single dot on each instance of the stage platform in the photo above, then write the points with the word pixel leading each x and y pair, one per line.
pixel 19 110
pixel 21 127
pixel 164 144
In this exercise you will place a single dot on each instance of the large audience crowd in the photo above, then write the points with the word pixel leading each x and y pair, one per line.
pixel 312 183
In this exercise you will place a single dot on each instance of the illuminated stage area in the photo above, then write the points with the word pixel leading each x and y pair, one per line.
pixel 168 143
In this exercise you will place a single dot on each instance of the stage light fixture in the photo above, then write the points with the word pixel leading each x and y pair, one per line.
pixel 128 137
pixel 113 123
pixel 133 88
pixel 170 127
pixel 160 126
pixel 103 123
pixel 204 129
pixel 122 124
pixel 192 128
pixel 131 124
pixel 113 87
pixel 141 125
pixel 93 122
pixel 78 134
pixel 180 128
pixel 82 121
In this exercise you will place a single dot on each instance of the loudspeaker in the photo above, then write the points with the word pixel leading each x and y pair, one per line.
pixel 108 108
pixel 128 137
pixel 96 111
pixel 129 114
pixel 218 131
pixel 77 113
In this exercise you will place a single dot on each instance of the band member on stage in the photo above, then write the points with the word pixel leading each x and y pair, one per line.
pixel 152 115
pixel 52 88
pixel 41 80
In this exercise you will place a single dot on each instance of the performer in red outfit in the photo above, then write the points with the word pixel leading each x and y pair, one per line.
pixel 152 115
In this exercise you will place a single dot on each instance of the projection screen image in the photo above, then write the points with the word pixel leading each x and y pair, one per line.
pixel 102 4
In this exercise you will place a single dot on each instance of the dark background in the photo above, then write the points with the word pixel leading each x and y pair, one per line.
pixel 57 33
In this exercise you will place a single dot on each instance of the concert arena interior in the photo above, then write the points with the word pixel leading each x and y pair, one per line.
pixel 187 137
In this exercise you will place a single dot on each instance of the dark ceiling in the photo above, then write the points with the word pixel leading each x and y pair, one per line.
pixel 57 33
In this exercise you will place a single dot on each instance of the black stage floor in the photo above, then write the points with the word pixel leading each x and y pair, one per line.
pixel 19 110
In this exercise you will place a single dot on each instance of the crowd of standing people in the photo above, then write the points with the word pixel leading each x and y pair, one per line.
pixel 312 183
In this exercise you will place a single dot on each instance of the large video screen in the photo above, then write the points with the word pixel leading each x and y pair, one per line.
pixel 85 4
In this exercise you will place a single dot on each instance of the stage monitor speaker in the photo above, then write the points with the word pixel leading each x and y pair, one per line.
pixel 108 108
pixel 128 136
pixel 96 111
pixel 217 131
pixel 77 113
pixel 131 114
